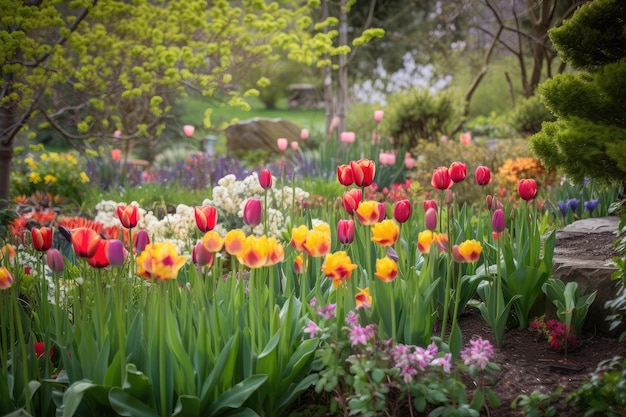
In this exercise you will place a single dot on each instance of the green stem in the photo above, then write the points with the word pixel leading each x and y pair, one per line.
pixel 22 345
pixel 394 325
pixel 162 367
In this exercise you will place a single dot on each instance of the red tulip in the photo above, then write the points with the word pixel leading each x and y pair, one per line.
pixel 99 258
pixel 527 189
pixel 206 217
pixel 40 349
pixel 42 238
pixel 430 204
pixel 441 179
pixel 344 175
pixel 402 211
pixel 483 175
pixel 55 260
pixel 128 215
pixel 457 171
pixel 252 212
pixel 265 179
pixel 352 199
pixel 363 172
pixel 345 231
pixel 85 242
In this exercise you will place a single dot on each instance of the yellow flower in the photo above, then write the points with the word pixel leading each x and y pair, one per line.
pixel 160 261
pixel 44 156
pixel 32 164
pixel 255 252
pixel 49 179
pixel 317 242
pixel 275 252
pixel 338 266
pixel 34 178
pixel 233 241
pixel 367 212
pixel 212 241
pixel 84 178
pixel 386 269
pixel 424 240
pixel 385 233
pixel 298 237
pixel 468 251
pixel 6 280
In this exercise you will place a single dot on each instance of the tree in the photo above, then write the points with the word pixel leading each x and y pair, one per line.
pixel 90 67
pixel 588 139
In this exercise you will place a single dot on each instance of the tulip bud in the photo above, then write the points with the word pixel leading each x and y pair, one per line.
pixel 304 134
pixel 116 253
pixel 55 261
pixel 483 175
pixel 345 231
pixel 282 143
pixel 497 221
pixel 402 211
pixel 449 197
pixel 382 211
pixel 378 115
pixel 430 219
pixel 141 240
pixel 457 171
pixel 265 178
pixel 252 212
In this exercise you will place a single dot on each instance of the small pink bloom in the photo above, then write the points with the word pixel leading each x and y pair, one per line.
pixel 465 138
pixel 189 130
pixel 304 134
pixel 347 137
pixel 282 143
pixel 294 145
pixel 378 115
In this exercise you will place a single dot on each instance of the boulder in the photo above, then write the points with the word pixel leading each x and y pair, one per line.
pixel 259 134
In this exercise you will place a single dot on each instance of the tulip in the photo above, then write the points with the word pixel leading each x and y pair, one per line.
pixel 233 241
pixel 275 252
pixel 363 299
pixel 385 233
pixel 298 237
pixel 457 171
pixel 382 211
pixel 378 115
pixel 254 252
pixel 591 205
pixel 294 145
pixel 42 238
pixel 189 130
pixel 85 242
pixel 116 253
pixel 200 256
pixel 498 222
pixel 252 212
pixel 282 144
pixel 265 179
pixel 141 239
pixel 334 123
pixel 345 231
pixel 392 253
pixel 212 241
pixel 383 158
pixel 465 138
pixel 160 261
pixel 409 162
pixel 99 258
pixel 441 179
pixel 304 134
pixel 363 172
pixel 468 251
pixel 352 200
pixel 482 175
pixel 386 269
pixel 128 215
pixel 527 189
pixel 430 219
pixel 347 137
pixel 344 175
pixel 317 243
pixel 430 204
pixel 117 133
pixel 55 261
pixel 368 212
pixel 206 217
pixel 402 210
pixel 298 264
pixel 338 266
pixel 492 203
pixel 6 280
pixel 441 240
pixel 116 154
pixel 7 251
pixel 40 349
pixel 424 240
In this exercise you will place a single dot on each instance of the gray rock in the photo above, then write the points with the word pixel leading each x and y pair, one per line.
pixel 259 134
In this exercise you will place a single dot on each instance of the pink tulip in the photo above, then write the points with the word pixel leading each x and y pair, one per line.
pixel 116 154
pixel 383 158
pixel 117 133
pixel 304 134
pixel 189 130
pixel 378 115
pixel 345 231
pixel 252 212
pixel 465 138
pixel 55 260
pixel 409 163
pixel 347 137
pixel 294 145
pixel 282 143
pixel 430 219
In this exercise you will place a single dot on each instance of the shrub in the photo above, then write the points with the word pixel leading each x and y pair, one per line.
pixel 605 392
pixel 527 118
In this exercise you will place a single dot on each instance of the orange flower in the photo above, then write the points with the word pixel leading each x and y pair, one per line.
pixel 298 264
pixel 468 251
pixel 233 241
pixel 363 298
pixel 254 252
pixel 386 269
pixel 298 237
pixel 6 280
pixel 7 251
pixel 275 253
pixel 363 172
pixel 85 242
pixel 212 241
pixel 351 200
pixel 385 233
pixel 424 240
pixel 128 215
pixel 206 217
pixel 160 261
pixel 338 266
pixel 367 212
pixel 42 238
pixel 317 242
pixel 99 259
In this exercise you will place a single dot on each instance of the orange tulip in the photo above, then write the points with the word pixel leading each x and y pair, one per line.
pixel 298 264
pixel 468 251
pixel 317 242
pixel 344 175
pixel 352 199
pixel 254 252
pixel 42 238
pixel 368 212
pixel 386 269
pixel 128 215
pixel 363 172
pixel 298 237
pixel 206 217
pixel 160 261
pixel 6 280
pixel 212 241
pixel 363 298
pixel 233 241
pixel 424 240
pixel 85 241
pixel 338 266
pixel 275 253
pixel 385 233
pixel 99 258
pixel 7 251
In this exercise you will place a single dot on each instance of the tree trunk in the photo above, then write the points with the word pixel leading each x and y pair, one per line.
pixel 8 130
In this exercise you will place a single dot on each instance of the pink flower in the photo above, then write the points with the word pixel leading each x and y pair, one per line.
pixel 304 134
pixel 359 335
pixel 445 362
pixel 282 143
pixel 312 329
pixel 328 312
pixel 378 115
pixel 252 212
pixel 294 145
pixel 478 353
pixel 347 137
pixel 189 130
pixel 465 138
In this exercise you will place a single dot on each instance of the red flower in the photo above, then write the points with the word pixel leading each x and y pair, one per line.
pixel 430 204
pixel 99 259
pixel 441 179
pixel 265 179
pixel 402 211
pixel 85 242
pixel 206 217
pixel 40 348
pixel 345 231
pixel 352 199
pixel 42 238
pixel 483 175
pixel 527 189
pixel 128 215
pixel 252 212
pixel 344 175
pixel 363 172
pixel 457 171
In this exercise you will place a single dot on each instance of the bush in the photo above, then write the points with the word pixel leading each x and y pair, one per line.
pixel 529 115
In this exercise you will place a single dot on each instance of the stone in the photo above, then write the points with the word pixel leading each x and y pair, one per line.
pixel 259 134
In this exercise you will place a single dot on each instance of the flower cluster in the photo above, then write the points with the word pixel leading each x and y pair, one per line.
pixel 555 332
pixel 513 170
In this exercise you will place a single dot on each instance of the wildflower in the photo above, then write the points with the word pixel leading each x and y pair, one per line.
pixel 55 261
pixel 344 175
pixel 128 215
pixel 48 179
pixel 34 178
pixel 441 179
pixel 363 298
pixel 206 217
pixel 591 205
pixel 352 318
pixel 363 172
pixel 430 219
pixel 478 353
pixel 42 238
pixel 445 362
pixel 212 241
pixel 233 241
pixel 84 178
pixel 312 329
pixel 200 256
pixel 457 171
pixel 368 212
pixel 298 237
pixel 352 200
pixel 527 189
pixel 482 175
pixel 328 312
pixel 252 212
pixel 338 266
pixel 6 280
pixel 385 233
pixel 345 231
pixel 160 261
pixel 265 179
pixel 386 269
pixel 360 335
pixel 85 241
pixel 255 251
pixel 402 210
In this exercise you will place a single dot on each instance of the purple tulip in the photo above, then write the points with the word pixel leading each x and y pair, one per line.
pixel 55 260
pixel 498 223
pixel 116 253
pixel 142 240
pixel 200 256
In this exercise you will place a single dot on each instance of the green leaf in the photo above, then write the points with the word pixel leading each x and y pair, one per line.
pixel 74 395
pixel 128 406
pixel 478 400
pixel 237 395
pixel 187 406
pixel 137 384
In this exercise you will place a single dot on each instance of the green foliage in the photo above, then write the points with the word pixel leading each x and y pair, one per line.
pixel 617 305
pixel 571 306
pixel 537 403
pixel 529 115
pixel 418 114
pixel 604 394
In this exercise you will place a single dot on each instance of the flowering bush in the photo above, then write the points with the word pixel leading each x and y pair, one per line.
pixel 60 174
pixel 522 167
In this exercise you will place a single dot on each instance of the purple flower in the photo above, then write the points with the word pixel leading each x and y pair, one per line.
pixel 327 312
pixel 445 362
pixel 563 207
pixel 352 319
pixel 497 221
pixel 312 329
pixel 478 353
pixel 591 205
pixel 573 204
pixel 359 335
pixel 392 254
